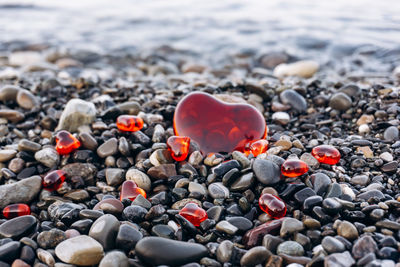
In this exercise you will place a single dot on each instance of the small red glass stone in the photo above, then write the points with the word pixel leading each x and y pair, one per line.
pixel 129 123
pixel 53 180
pixel 256 147
pixel 178 146
pixel 272 205
pixel 16 210
pixel 217 126
pixel 294 168
pixel 326 154
pixel 193 213
pixel 130 190
pixel 66 143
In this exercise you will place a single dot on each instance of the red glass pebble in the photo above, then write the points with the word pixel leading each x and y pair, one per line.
pixel 66 143
pixel 294 168
pixel 218 126
pixel 326 154
pixel 130 190
pixel 272 205
pixel 53 180
pixel 256 147
pixel 16 210
pixel 193 213
pixel 129 123
pixel 178 146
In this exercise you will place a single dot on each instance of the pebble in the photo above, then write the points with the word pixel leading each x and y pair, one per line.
pixel 303 68
pixel 224 251
pixel 23 191
pixel 12 115
pixel 163 171
pixel 294 99
pixel 110 205
pixel 339 260
pixel 88 141
pixel 226 227
pixel 321 183
pixel 360 180
pixel 9 251
pixel 50 239
pixel 254 256
pixel 127 237
pixel 108 148
pixel 27 100
pixel 241 158
pixel 48 157
pixel 140 178
pixel 281 117
pixel 347 230
pixel 391 134
pixel 290 248
pixel 386 156
pixel 7 154
pixel 114 176
pixel 18 227
pixel 218 191
pixel 9 93
pixel 290 226
pixel 45 257
pixel 77 112
pixel 340 101
pixel 310 160
pixel 332 245
pixel 81 250
pixel 156 251
pixel 364 245
pixel 26 145
pixel 266 172
pixel 114 259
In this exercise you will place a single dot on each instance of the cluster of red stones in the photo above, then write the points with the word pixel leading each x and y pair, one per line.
pixel 193 213
pixel 129 123
pixel 130 190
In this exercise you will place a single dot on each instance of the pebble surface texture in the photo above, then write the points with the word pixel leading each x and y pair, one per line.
pixel 121 201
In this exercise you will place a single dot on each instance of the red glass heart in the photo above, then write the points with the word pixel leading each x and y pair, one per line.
pixel 66 143
pixel 272 205
pixel 53 180
pixel 129 123
pixel 218 126
pixel 326 154
pixel 193 213
pixel 178 146
pixel 130 190
pixel 16 210
pixel 294 168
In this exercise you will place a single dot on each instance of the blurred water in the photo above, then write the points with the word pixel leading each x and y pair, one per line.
pixel 208 27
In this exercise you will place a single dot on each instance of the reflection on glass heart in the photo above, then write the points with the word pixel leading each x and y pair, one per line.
pixel 218 126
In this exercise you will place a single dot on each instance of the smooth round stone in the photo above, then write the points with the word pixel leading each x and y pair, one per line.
pixel 26 145
pixel 48 157
pixel 294 99
pixel 242 223
pixel 281 117
pixel 371 194
pixel 391 134
pixel 290 226
pixel 134 213
pixel 360 180
pixel 290 248
pixel 197 188
pixel 27 100
pixel 45 257
pixel 162 251
pixel 162 230
pixel 18 227
pixel 9 251
pixel 321 183
pixel 88 141
pixel 241 158
pixel 347 230
pixel 50 239
pixel 266 172
pixel 114 259
pixel 254 256
pixel 163 171
pixel 78 195
pixel 310 160
pixel 110 205
pixel 105 230
pixel 331 206
pixel 218 191
pixel 140 178
pixel 108 148
pixel 12 115
pixel 77 112
pixel 7 154
pixel 142 202
pixel 243 182
pixel 9 93
pixel 114 176
pixel 226 227
pixel 81 250
pixel 386 156
pixel 364 245
pixel 340 101
pixel 90 214
pixel 127 237
pixel 303 194
pixel 224 251
pixel 302 68
pixel 334 190
pixel 332 245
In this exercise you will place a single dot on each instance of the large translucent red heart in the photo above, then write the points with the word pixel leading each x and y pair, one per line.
pixel 218 126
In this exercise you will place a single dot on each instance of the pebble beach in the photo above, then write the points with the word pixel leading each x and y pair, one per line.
pixel 71 206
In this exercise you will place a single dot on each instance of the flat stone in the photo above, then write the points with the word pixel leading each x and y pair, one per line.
pixel 23 191
pixel 127 237
pixel 371 194
pixel 340 101
pixel 88 141
pixel 224 251
pixel 226 227
pixel 50 239
pixel 108 148
pixel 321 183
pixel 243 183
pixel 114 176
pixel 27 145
pixel 290 248
pixel 302 68
pixel 12 115
pixel 9 93
pixel 9 251
pixel 360 180
pixel 77 112
pixel 81 250
pixel 114 259
pixel 110 205
pixel 140 178
pixel 218 191
pixel 339 260
pixel 347 230
pixel 7 154
pixel 363 246
pixel 18 227
pixel 242 223
pixel 77 195
pixel 48 157
pixel 162 251
pixel 86 171
pixel 294 99
pixel 163 171
pixel 27 100
pixel 332 245
pixel 310 160
pixel 105 230
pixel 267 172
pixel 254 256
pixel 390 167
pixel 254 236
pixel 391 134
pixel 45 257
pixel 290 226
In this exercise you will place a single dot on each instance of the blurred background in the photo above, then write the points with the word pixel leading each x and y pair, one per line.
pixel 211 29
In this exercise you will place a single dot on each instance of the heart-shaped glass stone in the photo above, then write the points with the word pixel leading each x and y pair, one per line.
pixel 217 126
